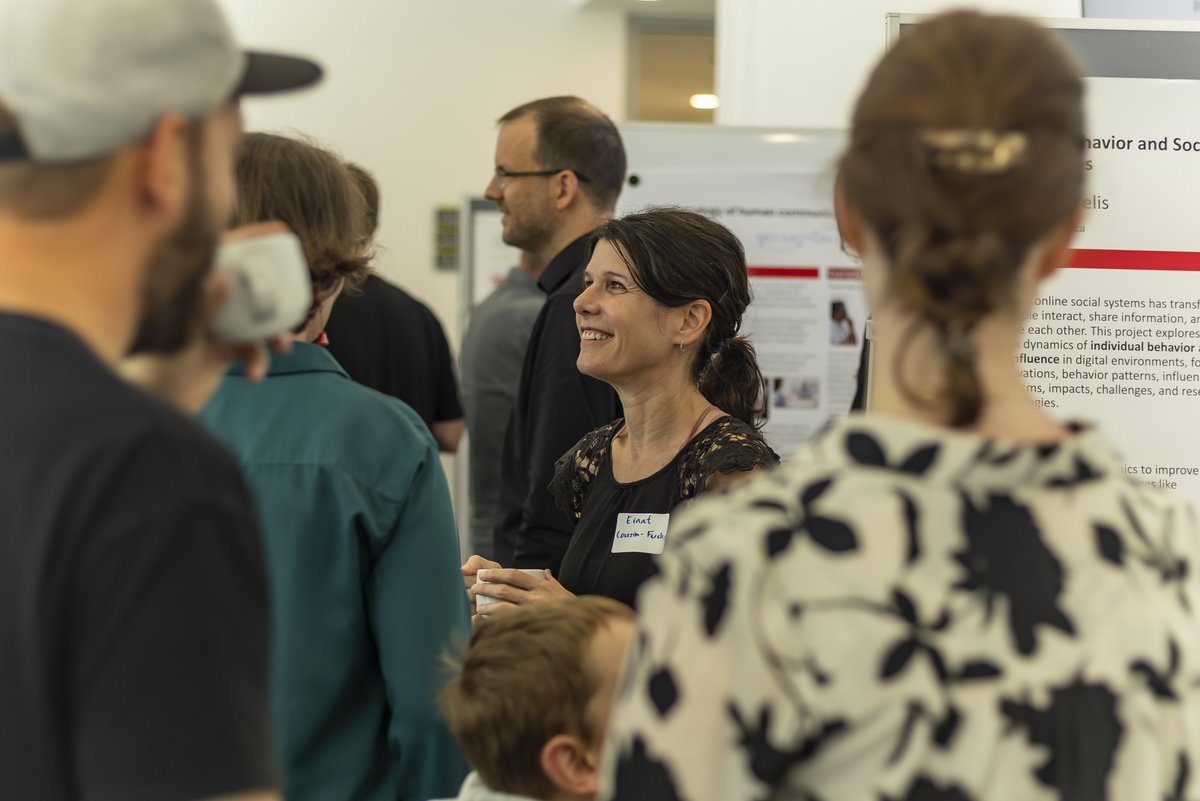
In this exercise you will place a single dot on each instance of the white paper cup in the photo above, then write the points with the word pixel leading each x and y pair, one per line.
pixel 484 600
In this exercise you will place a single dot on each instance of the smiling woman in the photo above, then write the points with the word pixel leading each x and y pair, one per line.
pixel 663 296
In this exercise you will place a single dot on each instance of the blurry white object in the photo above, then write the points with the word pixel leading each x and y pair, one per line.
pixel 270 289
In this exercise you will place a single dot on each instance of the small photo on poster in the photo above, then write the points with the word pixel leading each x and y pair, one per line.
pixel 843 329
pixel 785 392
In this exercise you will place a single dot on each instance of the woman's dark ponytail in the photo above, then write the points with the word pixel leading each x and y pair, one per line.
pixel 966 151
pixel 732 380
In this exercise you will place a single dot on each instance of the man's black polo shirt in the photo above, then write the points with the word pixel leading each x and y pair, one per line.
pixel 391 342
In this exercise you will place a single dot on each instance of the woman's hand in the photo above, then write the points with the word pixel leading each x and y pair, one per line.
pixel 470 569
pixel 512 588
pixel 473 565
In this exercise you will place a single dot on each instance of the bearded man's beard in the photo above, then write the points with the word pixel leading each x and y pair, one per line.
pixel 173 295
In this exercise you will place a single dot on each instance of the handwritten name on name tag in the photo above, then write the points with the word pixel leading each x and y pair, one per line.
pixel 640 533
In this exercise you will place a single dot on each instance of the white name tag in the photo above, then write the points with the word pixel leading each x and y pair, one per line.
pixel 640 533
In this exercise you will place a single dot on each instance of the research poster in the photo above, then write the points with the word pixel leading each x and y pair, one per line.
pixel 1114 338
pixel 808 315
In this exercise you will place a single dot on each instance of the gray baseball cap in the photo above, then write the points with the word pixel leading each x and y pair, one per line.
pixel 84 78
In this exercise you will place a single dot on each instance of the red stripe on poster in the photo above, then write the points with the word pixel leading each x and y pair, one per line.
pixel 784 272
pixel 1133 260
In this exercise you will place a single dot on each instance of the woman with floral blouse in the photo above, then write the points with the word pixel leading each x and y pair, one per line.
pixel 957 596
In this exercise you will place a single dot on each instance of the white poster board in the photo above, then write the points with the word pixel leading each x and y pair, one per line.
pixel 1142 9
pixel 774 189
pixel 1115 336
pixel 486 257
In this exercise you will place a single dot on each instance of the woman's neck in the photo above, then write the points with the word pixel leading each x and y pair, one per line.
pixel 659 412
pixel 904 351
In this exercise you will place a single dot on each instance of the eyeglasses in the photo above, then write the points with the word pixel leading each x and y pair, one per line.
pixel 503 175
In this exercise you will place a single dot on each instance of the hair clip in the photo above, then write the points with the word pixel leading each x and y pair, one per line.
pixel 958 344
pixel 974 151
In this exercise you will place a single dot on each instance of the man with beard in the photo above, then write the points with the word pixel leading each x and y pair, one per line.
pixel 133 631
pixel 560 165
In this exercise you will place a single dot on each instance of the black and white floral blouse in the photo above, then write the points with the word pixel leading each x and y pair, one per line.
pixel 903 612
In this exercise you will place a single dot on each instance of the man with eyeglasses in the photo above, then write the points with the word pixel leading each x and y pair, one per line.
pixel 560 165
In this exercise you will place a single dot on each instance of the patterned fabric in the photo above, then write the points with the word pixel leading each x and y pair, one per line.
pixel 727 445
pixel 904 612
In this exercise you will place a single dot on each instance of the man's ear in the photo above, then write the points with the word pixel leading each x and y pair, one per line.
pixel 696 317
pixel 566 189
pixel 163 167
pixel 1057 244
pixel 571 766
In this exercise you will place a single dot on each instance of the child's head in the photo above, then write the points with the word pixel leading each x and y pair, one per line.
pixel 530 704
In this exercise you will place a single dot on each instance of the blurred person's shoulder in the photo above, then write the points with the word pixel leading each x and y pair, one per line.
pixel 517 299
pixel 74 409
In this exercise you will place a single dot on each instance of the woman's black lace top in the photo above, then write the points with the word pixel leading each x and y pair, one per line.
pixel 584 488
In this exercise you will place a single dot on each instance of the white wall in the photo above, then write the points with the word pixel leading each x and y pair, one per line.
pixel 785 62
pixel 414 86
pixel 412 92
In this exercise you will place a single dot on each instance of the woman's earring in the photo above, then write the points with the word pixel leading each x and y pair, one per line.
pixel 681 347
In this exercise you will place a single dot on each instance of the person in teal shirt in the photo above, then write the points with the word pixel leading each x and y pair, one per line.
pixel 362 550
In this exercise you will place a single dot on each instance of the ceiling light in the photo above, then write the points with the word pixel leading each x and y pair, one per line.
pixel 704 101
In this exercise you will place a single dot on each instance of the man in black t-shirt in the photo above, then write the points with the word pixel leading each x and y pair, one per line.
pixel 133 619
pixel 391 342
